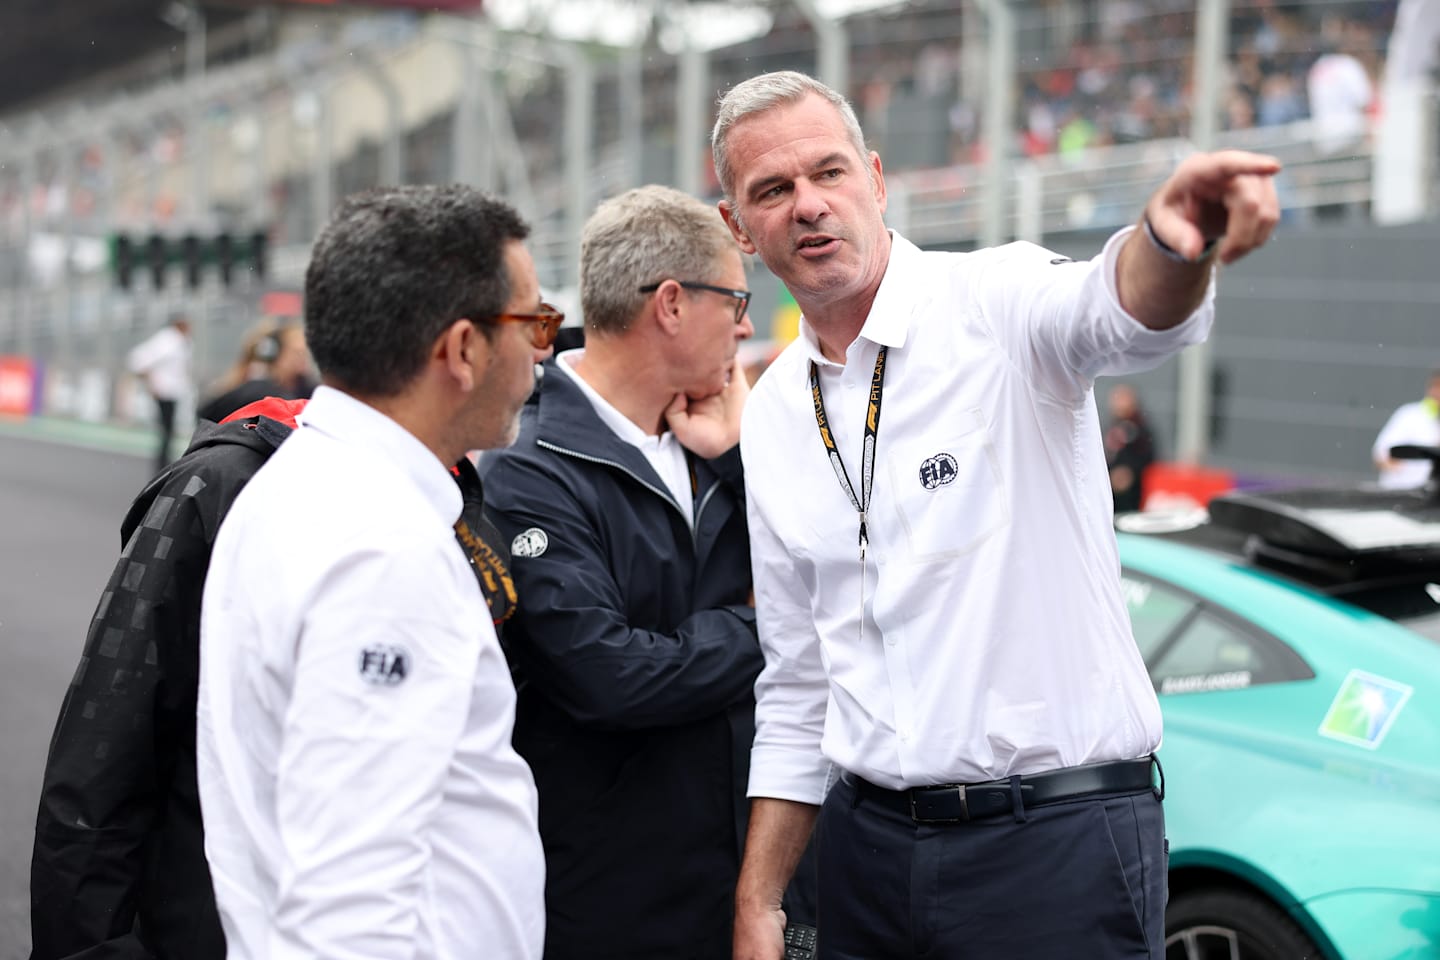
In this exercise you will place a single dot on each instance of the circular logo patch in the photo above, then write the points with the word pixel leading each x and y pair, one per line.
pixel 384 664
pixel 530 543
pixel 938 470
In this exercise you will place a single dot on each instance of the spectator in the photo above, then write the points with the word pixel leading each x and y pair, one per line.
pixel 162 362
pixel 1416 423
pixel 1340 94
pixel 274 362
pixel 1129 448
pixel 361 794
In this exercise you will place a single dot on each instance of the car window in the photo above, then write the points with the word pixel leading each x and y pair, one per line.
pixel 1210 655
pixel 1155 611
pixel 1192 646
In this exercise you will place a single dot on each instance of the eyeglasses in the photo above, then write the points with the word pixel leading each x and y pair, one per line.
pixel 742 297
pixel 545 324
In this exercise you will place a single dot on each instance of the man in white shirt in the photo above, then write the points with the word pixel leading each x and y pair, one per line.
pixel 936 578
pixel 1415 423
pixel 634 643
pixel 360 794
pixel 162 361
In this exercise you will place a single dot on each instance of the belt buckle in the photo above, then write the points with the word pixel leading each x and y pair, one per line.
pixel 964 809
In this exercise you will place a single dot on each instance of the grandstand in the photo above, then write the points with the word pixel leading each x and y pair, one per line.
pixel 1045 120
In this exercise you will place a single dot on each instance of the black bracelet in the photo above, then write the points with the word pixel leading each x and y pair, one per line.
pixel 1170 253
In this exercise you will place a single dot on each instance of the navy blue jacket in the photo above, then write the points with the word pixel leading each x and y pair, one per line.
pixel 635 654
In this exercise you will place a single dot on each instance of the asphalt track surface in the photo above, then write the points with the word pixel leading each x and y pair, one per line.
pixel 60 512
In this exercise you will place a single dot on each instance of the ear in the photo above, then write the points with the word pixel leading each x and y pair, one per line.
pixel 668 304
pixel 732 220
pixel 879 173
pixel 458 351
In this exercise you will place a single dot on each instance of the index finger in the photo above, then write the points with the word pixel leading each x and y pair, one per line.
pixel 1235 163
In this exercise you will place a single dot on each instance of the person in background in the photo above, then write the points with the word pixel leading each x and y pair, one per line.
pixel 119 867
pixel 1415 423
pixel 936 575
pixel 1129 448
pixel 273 362
pixel 162 362
pixel 635 646
pixel 360 792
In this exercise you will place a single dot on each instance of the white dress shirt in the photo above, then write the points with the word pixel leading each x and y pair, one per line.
pixel 984 634
pixel 360 794
pixel 163 359
pixel 1415 423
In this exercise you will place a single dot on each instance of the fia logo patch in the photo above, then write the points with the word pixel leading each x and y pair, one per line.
pixel 384 664
pixel 530 543
pixel 938 471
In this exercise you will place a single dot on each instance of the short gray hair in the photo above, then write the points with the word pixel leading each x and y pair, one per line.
pixel 766 92
pixel 644 236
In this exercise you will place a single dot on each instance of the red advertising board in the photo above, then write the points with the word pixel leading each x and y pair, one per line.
pixel 17 386
pixel 1172 486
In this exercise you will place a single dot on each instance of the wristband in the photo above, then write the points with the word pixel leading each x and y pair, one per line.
pixel 1170 253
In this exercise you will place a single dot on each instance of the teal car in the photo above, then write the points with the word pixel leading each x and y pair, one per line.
pixel 1294 640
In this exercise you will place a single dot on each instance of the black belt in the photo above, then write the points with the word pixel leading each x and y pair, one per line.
pixel 955 802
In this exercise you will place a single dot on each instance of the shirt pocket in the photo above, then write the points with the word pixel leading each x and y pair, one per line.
pixel 949 489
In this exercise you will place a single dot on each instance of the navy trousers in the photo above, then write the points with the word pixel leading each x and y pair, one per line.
pixel 1078 879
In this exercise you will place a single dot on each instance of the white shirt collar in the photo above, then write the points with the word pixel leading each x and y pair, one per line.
pixel 624 428
pixel 348 420
pixel 888 323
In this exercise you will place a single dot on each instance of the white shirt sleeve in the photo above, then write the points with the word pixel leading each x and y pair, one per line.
pixel 792 690
pixel 1062 324
pixel 378 706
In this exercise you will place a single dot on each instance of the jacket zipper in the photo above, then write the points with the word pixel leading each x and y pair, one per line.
pixel 662 494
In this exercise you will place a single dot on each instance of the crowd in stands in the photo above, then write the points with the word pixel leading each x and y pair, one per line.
pixel 1097 72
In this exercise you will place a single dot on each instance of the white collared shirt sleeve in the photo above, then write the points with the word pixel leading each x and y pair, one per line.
pixel 1062 324
pixel 364 762
pixel 792 690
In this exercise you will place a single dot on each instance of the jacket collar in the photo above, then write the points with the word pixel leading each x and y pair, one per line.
pixel 566 419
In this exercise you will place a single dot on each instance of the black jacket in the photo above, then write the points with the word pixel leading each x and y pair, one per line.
pixel 119 870
pixel 635 652
pixel 119 863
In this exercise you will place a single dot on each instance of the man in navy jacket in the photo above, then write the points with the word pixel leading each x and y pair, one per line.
pixel 634 644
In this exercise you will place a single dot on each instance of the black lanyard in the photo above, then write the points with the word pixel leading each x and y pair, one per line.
pixel 872 431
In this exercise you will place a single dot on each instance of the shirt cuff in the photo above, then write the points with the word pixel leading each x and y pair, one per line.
pixel 786 773
pixel 1193 329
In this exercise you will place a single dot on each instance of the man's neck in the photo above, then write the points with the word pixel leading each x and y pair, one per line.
pixel 837 326
pixel 612 372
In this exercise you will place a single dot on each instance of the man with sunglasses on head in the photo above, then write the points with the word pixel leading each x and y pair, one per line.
pixel 361 794
pixel 634 646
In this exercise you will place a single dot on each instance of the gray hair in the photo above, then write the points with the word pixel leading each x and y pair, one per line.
pixel 766 92
pixel 644 236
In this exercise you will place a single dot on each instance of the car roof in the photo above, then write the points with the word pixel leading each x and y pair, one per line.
pixel 1377 549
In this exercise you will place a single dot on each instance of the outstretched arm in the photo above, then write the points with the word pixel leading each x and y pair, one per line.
pixel 1227 197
